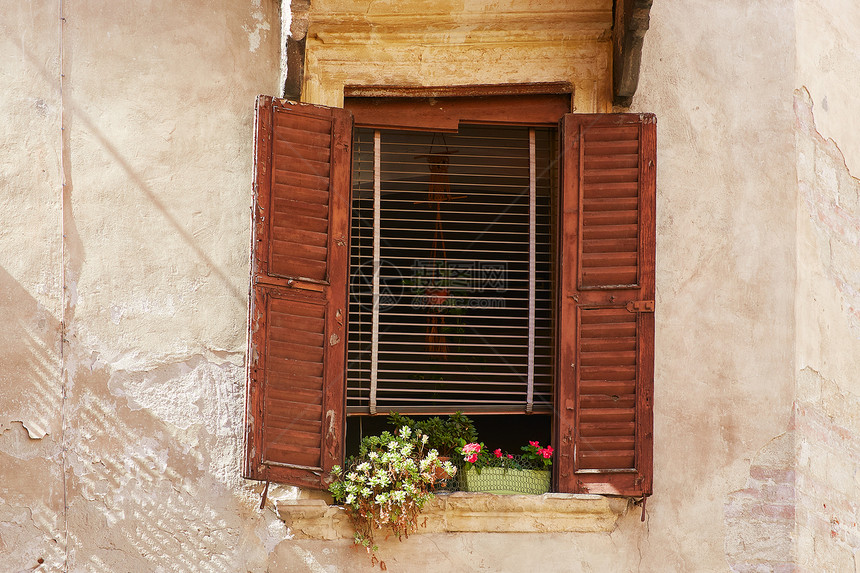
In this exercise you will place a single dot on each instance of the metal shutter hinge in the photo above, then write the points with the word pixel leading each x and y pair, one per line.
pixel 640 306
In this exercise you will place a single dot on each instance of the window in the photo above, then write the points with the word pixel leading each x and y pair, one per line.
pixel 458 225
pixel 586 317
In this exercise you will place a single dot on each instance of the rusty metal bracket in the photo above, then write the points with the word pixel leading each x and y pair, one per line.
pixel 265 491
pixel 640 306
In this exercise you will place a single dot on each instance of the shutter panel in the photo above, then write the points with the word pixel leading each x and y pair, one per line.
pixel 606 304
pixel 300 267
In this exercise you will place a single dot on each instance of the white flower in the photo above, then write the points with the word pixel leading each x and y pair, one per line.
pixel 373 455
pixel 405 431
pixel 424 439
pixel 363 466
pixel 350 499
pixel 392 445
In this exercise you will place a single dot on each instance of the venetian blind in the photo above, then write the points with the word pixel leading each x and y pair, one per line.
pixel 450 289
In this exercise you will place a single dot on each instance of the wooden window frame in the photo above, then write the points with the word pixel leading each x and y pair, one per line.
pixel 575 297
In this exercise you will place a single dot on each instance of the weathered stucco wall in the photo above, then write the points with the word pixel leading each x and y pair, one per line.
pixel 31 478
pixel 718 76
pixel 829 68
pixel 159 111
pixel 152 136
pixel 828 293
pixel 828 356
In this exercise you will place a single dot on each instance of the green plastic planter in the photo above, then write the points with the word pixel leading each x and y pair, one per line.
pixel 507 481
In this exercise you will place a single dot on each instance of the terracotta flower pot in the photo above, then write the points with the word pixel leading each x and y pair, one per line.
pixel 439 473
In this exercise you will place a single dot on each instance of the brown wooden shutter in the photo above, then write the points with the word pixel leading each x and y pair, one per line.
pixel 300 266
pixel 606 306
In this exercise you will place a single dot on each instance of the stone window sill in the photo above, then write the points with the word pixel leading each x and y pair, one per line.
pixel 470 512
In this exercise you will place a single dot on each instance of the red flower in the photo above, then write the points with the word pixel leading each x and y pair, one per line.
pixel 535 444
pixel 498 452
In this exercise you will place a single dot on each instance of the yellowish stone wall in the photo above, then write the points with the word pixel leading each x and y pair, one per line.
pixel 457 42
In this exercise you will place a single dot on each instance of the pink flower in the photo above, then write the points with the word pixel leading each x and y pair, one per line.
pixel 473 447
pixel 470 452
pixel 535 444
pixel 546 452
pixel 510 456
pixel 498 452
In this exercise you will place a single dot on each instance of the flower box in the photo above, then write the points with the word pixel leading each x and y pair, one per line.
pixel 507 481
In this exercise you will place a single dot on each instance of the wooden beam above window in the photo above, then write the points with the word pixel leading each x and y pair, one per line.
pixel 539 88
pixel 442 108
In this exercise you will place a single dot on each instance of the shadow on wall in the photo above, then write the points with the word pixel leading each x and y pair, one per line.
pixel 73 113
pixel 142 493
pixel 140 497
pixel 30 360
pixel 31 492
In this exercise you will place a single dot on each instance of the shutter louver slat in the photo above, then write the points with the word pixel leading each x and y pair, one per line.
pixel 309 139
pixel 303 158
pixel 303 194
pixel 605 364
pixel 292 180
pixel 308 430
pixel 297 353
pixel 287 207
pixel 297 381
pixel 305 396
pixel 304 125
pixel 303 225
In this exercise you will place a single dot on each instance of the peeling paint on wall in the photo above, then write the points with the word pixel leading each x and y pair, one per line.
pixel 831 196
pixel 259 25
pixel 828 474
pixel 760 517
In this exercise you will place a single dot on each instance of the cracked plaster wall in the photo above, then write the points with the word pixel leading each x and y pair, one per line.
pixel 31 479
pixel 828 348
pixel 125 228
pixel 828 291
pixel 719 76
